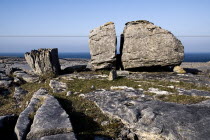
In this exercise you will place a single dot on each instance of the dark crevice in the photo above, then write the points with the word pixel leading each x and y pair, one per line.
pixel 83 125
pixel 153 69
pixel 7 128
pixel 119 56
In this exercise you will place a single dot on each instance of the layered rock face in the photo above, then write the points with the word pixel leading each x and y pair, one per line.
pixel 43 61
pixel 44 118
pixel 147 45
pixel 102 44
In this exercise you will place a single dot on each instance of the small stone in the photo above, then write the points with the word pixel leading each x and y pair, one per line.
pixel 179 70
pixel 57 86
pixel 19 93
pixel 171 87
pixel 157 91
pixel 121 88
pixel 92 87
pixel 112 75
pixel 141 89
pixel 122 73
pixel 68 93
pixel 75 93
pixel 104 123
pixel 82 95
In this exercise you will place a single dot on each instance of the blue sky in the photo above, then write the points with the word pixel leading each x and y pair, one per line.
pixel 78 17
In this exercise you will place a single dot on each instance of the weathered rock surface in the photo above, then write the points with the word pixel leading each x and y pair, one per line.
pixel 102 44
pixel 26 77
pixel 50 119
pixel 194 92
pixel 19 93
pixel 122 73
pixel 153 119
pixel 57 86
pixel 68 136
pixel 9 70
pixel 24 121
pixel 43 61
pixel 5 83
pixel 147 45
pixel 112 75
pixel 198 80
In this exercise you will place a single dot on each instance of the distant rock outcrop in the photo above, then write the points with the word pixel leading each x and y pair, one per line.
pixel 147 45
pixel 43 61
pixel 102 44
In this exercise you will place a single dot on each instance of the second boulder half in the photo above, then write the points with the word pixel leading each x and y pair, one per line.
pixel 147 45
pixel 102 44
pixel 43 61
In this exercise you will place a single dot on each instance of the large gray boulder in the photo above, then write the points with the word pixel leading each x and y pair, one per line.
pixel 102 44
pixel 43 61
pixel 147 45
pixel 151 119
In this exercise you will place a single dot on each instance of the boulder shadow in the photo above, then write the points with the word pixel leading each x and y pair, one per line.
pixel 192 70
pixel 152 69
pixel 83 125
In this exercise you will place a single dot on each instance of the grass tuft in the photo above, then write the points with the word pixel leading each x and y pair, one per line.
pixel 181 99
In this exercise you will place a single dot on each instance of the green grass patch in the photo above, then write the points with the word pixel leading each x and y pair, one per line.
pixel 86 117
pixel 8 106
pixel 181 99
pixel 84 86
pixel 149 93
pixel 162 85
pixel 98 72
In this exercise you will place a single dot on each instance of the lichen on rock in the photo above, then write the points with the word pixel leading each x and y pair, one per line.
pixel 147 45
pixel 43 61
pixel 102 44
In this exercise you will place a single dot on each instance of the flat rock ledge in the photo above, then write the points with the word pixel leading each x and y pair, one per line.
pixel 151 119
pixel 24 121
pixel 44 119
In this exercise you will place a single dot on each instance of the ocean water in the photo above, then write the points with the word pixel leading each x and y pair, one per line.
pixel 189 57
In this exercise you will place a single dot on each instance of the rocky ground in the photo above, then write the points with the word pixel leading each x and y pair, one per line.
pixel 82 104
